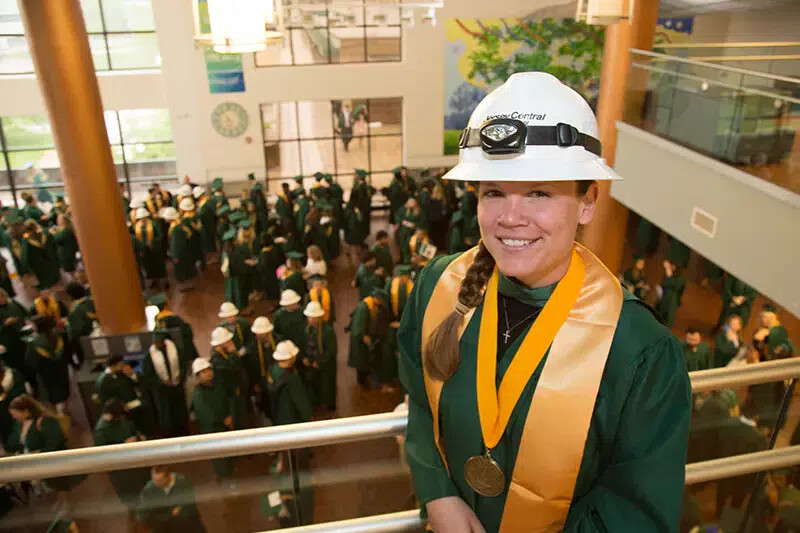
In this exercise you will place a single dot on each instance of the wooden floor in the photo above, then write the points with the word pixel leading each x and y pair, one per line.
pixel 351 480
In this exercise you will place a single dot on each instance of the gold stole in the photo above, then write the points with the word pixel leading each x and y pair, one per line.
pixel 239 332
pixel 179 224
pixel 371 306
pixel 395 294
pixel 161 316
pixel 261 358
pixel 47 308
pixel 149 231
pixel 324 300
pixel 555 431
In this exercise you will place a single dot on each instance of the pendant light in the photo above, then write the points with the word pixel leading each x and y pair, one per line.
pixel 238 26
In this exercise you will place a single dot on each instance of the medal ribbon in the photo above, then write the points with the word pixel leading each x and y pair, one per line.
pixel 495 407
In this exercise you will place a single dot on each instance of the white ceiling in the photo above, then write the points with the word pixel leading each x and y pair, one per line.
pixel 675 8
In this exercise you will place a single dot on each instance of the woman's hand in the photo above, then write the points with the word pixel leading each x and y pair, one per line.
pixel 452 515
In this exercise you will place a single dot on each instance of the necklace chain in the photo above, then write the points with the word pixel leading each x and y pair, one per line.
pixel 509 327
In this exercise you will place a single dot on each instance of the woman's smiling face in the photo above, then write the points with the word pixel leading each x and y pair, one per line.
pixel 529 227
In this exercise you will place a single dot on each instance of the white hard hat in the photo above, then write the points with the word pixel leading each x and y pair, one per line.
pixel 289 297
pixel 227 310
pixel 220 336
pixel 261 325
pixel 285 350
pixel 197 192
pixel 142 213
pixel 314 310
pixel 185 190
pixel 531 128
pixel 169 213
pixel 187 204
pixel 200 364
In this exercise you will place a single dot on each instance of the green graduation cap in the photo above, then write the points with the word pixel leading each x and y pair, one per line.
pixel 236 216
pixel 229 235
pixel 397 170
pixel 298 179
pixel 258 186
pixel 245 223
pixel 160 334
pixel 295 255
pixel 224 210
pixel 159 299
pixel 361 173
pixel 251 176
pixel 216 184
pixel 319 176
pixel 380 293
pixel 729 398
pixel 329 178
pixel 402 270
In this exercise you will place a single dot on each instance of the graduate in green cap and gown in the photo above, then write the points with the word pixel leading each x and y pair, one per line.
pixel 270 258
pixel 399 191
pixel 47 358
pixel 329 227
pixel 398 289
pixel 361 198
pixel 66 244
pixel 321 352
pixel 12 320
pixel 319 191
pixel 383 253
pixel 167 320
pixel 672 287
pixel 315 235
pixel 121 382
pixel 336 197
pixel 298 189
pixel 291 404
pixel 218 193
pixel 292 277
pixel 319 292
pixel 213 409
pixel 12 384
pixel 258 360
pixel 410 218
pixel 259 201
pixel 283 206
pixel 696 352
pixel 244 261
pixel 40 256
pixel 729 342
pixel 369 276
pixel 365 339
pixel 13 240
pixel 737 299
pixel 223 222
pixel 80 320
pixel 507 349
pixel 772 339
pixel 167 503
pixel 149 247
pixel 301 208
pixel 31 210
pixel 164 371
pixel 207 214
pixel 180 250
pixel 289 321
pixel 635 278
pixel 229 371
pixel 113 427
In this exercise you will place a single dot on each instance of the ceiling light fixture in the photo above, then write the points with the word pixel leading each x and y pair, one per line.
pixel 238 26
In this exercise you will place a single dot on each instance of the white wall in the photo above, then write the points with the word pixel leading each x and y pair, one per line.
pixel 774 24
pixel 182 87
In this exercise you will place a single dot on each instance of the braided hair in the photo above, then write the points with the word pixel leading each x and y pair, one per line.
pixel 442 349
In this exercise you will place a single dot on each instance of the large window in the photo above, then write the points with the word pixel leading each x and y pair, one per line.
pixel 327 35
pixel 121 36
pixel 333 136
pixel 140 139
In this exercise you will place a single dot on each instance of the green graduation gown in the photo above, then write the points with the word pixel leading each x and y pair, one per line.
pixel 361 355
pixel 354 227
pixel 12 320
pixel 257 362
pixel 409 221
pixel 322 349
pixel 121 386
pixel 269 259
pixel 66 248
pixel 398 196
pixel 291 403
pixel 332 238
pixel 669 303
pixel 12 384
pixel 301 209
pixel 233 289
pixel 387 369
pixel 41 258
pixel 633 279
pixel 180 249
pixel 229 375
pixel 724 349
pixel 127 483
pixel 168 320
pixel 207 213
pixel 156 505
pixel 169 395
pixel 384 256
pixel 80 318
pixel 212 405
pixel 283 206
pixel 241 331
pixel 293 280
pixel 735 287
pixel 631 477
pixel 291 326
pixel 33 212
pixel 367 280
pixel 150 251
pixel 337 198
pixel 51 367
pixel 699 358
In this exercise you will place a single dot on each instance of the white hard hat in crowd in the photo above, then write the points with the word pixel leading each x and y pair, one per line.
pixel 261 325
pixel 197 192
pixel 185 190
pixel 187 204
pixel 531 128
pixel 169 213
pixel 289 297
pixel 314 310
pixel 142 213
pixel 220 336
pixel 285 350
pixel 200 364
pixel 227 310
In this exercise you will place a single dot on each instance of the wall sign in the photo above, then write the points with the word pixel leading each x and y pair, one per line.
pixel 225 73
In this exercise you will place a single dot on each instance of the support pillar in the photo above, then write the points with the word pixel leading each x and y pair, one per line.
pixel 605 236
pixel 59 46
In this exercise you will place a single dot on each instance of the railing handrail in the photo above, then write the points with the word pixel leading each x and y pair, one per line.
pixel 744 44
pixel 738 70
pixel 297 436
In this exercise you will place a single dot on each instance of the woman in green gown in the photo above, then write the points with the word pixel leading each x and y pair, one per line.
pixel 593 454
pixel 410 219
pixel 292 277
pixel 47 357
pixel 113 427
pixel 672 287
pixel 164 373
pixel 321 351
pixel 40 256
pixel 180 250
pixel 66 244
pixel 729 342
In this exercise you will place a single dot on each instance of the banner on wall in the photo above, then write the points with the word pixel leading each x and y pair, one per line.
pixel 482 53
pixel 225 74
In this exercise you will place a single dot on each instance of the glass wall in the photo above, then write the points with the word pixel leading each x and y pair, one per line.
pixel 333 136
pixel 140 139
pixel 353 34
pixel 121 36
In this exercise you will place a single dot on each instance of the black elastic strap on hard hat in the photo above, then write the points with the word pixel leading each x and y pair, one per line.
pixel 563 135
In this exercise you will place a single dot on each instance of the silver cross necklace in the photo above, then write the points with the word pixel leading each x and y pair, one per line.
pixel 509 327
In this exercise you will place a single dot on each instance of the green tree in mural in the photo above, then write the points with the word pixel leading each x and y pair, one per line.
pixel 569 50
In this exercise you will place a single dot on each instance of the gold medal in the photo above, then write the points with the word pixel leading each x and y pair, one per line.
pixel 484 475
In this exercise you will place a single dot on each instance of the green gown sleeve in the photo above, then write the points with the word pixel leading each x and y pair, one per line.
pixel 300 399
pixel 53 437
pixel 430 477
pixel 642 489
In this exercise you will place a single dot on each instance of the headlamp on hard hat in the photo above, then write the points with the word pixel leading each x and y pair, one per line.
pixel 503 136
